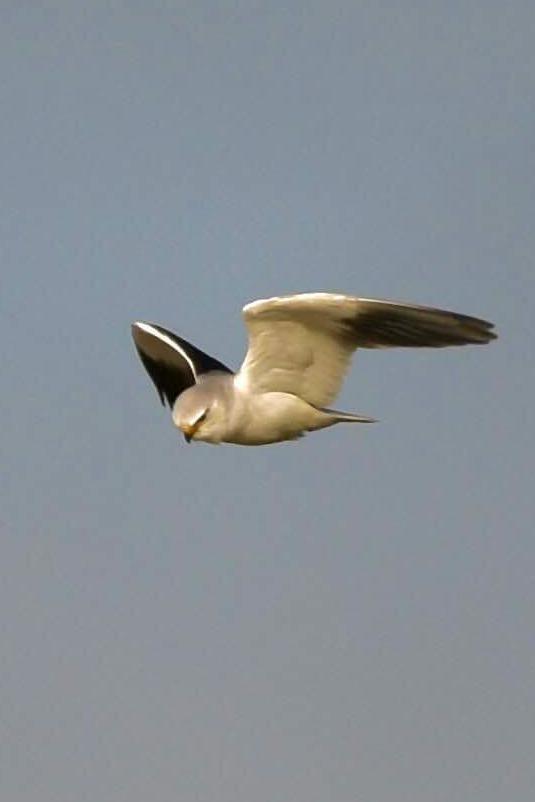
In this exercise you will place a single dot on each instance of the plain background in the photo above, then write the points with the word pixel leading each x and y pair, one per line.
pixel 345 618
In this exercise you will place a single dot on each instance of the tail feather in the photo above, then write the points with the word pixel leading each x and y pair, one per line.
pixel 349 417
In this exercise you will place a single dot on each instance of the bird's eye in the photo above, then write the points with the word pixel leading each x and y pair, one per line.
pixel 202 417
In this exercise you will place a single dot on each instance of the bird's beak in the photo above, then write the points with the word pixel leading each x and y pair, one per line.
pixel 188 431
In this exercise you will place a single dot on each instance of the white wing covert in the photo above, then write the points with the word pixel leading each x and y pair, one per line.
pixel 298 344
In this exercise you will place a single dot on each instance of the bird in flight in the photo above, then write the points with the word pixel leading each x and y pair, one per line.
pixel 300 347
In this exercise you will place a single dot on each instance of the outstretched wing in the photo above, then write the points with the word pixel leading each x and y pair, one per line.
pixel 172 363
pixel 302 344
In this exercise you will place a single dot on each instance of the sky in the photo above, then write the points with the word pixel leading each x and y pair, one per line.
pixel 348 617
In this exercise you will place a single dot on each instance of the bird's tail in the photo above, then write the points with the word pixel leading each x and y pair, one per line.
pixel 349 417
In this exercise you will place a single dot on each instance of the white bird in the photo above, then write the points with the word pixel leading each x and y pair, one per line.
pixel 300 348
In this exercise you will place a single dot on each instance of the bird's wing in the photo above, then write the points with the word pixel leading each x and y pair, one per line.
pixel 172 363
pixel 302 344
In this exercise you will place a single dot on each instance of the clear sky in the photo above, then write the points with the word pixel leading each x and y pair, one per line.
pixel 348 618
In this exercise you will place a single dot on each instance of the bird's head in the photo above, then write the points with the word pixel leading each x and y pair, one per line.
pixel 199 414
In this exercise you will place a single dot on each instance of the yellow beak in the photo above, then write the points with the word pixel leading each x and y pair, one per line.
pixel 188 431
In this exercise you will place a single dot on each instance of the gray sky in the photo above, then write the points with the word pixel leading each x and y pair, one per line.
pixel 346 618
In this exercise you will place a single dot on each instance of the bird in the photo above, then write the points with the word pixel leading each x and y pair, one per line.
pixel 299 351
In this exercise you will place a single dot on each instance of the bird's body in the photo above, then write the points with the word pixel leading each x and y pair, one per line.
pixel 249 418
pixel 300 348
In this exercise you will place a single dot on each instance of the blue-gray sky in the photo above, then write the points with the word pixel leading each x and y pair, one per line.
pixel 348 617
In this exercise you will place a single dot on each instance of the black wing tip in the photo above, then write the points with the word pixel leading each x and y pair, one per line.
pixel 144 326
pixel 490 330
pixel 419 327
pixel 138 328
pixel 479 331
